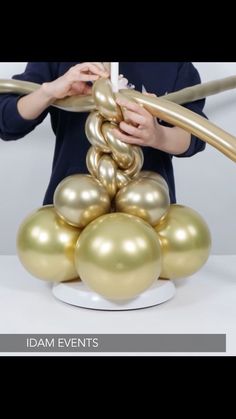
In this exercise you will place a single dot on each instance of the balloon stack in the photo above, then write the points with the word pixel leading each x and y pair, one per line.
pixel 114 229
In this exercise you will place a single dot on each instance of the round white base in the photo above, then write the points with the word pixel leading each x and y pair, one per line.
pixel 77 294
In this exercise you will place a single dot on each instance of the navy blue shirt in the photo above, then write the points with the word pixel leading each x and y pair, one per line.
pixel 71 143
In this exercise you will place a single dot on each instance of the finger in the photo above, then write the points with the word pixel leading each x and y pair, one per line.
pixel 150 94
pixel 132 106
pixel 91 67
pixel 130 129
pixel 126 138
pixel 135 118
pixel 100 65
pixel 88 77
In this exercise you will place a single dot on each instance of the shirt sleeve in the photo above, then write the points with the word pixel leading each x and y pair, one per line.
pixel 189 76
pixel 12 125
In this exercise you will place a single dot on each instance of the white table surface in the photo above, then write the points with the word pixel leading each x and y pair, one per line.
pixel 204 303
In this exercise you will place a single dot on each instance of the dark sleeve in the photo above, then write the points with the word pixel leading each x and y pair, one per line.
pixel 12 125
pixel 189 76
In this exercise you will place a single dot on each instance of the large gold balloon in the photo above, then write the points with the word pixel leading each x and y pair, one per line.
pixel 185 242
pixel 80 199
pixel 154 175
pixel 46 245
pixel 145 198
pixel 118 256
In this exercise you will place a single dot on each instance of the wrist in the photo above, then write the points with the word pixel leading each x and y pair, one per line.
pixel 161 138
pixel 47 93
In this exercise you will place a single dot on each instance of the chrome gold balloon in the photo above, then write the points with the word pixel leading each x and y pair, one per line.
pixel 118 256
pixel 105 101
pixel 185 242
pixel 92 160
pixel 122 179
pixel 106 174
pixel 155 176
pixel 46 246
pixel 188 120
pixel 80 199
pixel 121 152
pixel 93 131
pixel 137 164
pixel 144 198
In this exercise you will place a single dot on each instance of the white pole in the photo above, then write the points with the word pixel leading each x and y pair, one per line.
pixel 115 76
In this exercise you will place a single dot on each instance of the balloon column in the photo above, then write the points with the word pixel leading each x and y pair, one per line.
pixel 115 228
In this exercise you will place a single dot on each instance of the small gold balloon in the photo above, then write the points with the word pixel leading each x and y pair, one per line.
pixel 154 175
pixel 121 152
pixel 118 256
pixel 94 133
pixel 79 199
pixel 92 159
pixel 185 242
pixel 46 246
pixel 105 101
pixel 145 198
pixel 107 170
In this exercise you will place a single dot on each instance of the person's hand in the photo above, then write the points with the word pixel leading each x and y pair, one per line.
pixel 142 128
pixel 74 81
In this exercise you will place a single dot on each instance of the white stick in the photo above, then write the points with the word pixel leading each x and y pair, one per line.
pixel 115 76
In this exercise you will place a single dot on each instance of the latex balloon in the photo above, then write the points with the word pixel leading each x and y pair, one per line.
pixel 107 170
pixel 145 198
pixel 121 152
pixel 92 159
pixel 93 130
pixel 185 241
pixel 105 101
pixel 188 120
pixel 80 199
pixel 137 164
pixel 122 179
pixel 46 245
pixel 118 256
pixel 155 176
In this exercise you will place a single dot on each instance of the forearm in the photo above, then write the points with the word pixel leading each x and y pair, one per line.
pixel 32 105
pixel 174 140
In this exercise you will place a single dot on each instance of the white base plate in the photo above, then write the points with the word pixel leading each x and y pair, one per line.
pixel 77 294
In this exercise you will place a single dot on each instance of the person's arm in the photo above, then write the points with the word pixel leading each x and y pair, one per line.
pixel 73 82
pixel 20 115
pixel 144 130
pixel 189 76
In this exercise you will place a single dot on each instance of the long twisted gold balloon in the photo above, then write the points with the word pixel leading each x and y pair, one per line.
pixel 159 107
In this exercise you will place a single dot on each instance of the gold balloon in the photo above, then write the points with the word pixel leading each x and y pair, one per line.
pixel 121 152
pixel 80 199
pixel 137 164
pixel 46 246
pixel 92 159
pixel 107 170
pixel 94 133
pixel 185 241
pixel 105 101
pixel 145 198
pixel 118 256
pixel 155 176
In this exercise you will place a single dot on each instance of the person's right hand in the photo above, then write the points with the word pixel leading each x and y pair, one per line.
pixel 74 81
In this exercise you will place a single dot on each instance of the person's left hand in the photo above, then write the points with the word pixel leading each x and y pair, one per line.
pixel 142 129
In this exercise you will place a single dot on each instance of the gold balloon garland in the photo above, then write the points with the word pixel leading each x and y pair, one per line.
pixel 127 233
